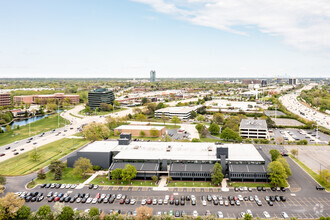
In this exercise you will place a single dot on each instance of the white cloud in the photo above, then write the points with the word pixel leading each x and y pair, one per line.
pixel 304 24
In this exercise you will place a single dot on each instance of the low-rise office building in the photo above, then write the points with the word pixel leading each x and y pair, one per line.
pixel 98 96
pixel 137 130
pixel 181 112
pixel 4 99
pixel 180 160
pixel 43 99
pixel 253 129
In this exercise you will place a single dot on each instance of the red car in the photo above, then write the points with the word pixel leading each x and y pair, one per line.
pixel 122 201
pixel 57 198
pixel 149 201
pixel 98 195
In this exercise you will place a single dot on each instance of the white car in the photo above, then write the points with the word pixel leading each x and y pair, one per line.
pixel 165 201
pixel 266 214
pixel 160 202
pixel 204 203
pixel 167 197
pixel 63 186
pixel 240 197
pixel 118 196
pixel 144 201
pixel 133 201
pixel 284 215
pixel 73 186
pixel 86 210
pixel 89 200
pixel 220 215
pixel 94 200
pixel 195 213
pixel 248 211
pixel 68 186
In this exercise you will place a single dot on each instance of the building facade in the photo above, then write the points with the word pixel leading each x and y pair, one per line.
pixel 43 99
pixel 152 76
pixel 136 130
pixel 253 129
pixel 4 99
pixel 292 81
pixel 98 96
pixel 181 112
pixel 180 160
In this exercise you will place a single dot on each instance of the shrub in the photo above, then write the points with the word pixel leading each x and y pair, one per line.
pixel 97 167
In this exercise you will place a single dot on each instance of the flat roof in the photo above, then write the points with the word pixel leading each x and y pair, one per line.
pixel 251 123
pixel 199 151
pixel 139 127
pixel 247 168
pixel 138 166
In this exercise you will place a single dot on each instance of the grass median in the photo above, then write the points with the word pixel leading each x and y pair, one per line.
pixel 190 184
pixel 43 125
pixel 245 184
pixel 22 164
pixel 68 176
pixel 310 172
pixel 104 180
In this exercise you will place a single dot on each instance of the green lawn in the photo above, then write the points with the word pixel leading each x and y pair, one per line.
pixel 68 176
pixel 102 112
pixel 138 137
pixel 209 140
pixel 189 184
pixel 238 184
pixel 42 125
pixel 167 126
pixel 22 164
pixel 104 180
pixel 311 172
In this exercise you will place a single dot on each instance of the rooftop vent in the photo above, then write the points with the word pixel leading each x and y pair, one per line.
pixel 209 148
pixel 168 149
pixel 136 147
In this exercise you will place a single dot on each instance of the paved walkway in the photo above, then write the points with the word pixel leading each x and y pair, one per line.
pixel 224 187
pixel 90 179
pixel 161 184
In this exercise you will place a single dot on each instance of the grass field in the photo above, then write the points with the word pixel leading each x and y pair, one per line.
pixel 42 125
pixel 209 140
pixel 104 180
pixel 68 176
pixel 22 164
pixel 246 184
pixel 167 126
pixel 189 184
pixel 311 172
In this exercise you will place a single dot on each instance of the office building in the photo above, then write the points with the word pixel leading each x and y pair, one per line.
pixel 43 99
pixel 135 130
pixel 253 129
pixel 152 76
pixel 181 112
pixel 251 81
pixel 264 83
pixel 98 96
pixel 180 160
pixel 4 99
pixel 293 81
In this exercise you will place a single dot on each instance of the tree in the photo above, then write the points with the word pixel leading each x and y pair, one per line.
pixel 218 118
pixel 200 118
pixel 9 205
pixel 116 103
pixel 103 106
pixel 82 166
pixel 161 105
pixel 279 140
pixel 175 120
pixel 54 164
pixel 199 127
pixel 142 133
pixel 143 213
pixel 247 216
pixel 96 131
pixel 144 100
pixel 141 117
pixel 164 118
pixel 217 175
pixel 3 180
pixel 66 214
pixel 274 154
pixel 229 134
pixel 277 174
pixel 154 178
pixel 8 128
pixel 214 129
pixel 193 114
pixel 116 174
pixel 154 132
pixel 44 211
pixel 324 176
pixel 166 138
pixel 195 140
pixel 24 212
pixel 232 122
pixel 93 212
pixel 151 108
pixel 41 174
pixel 204 132
pixel 34 155
pixel 285 165
pixel 128 173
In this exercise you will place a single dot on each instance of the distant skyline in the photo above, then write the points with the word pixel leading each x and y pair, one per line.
pixel 176 38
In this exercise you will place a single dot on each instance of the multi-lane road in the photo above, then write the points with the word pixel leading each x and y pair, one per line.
pixel 292 104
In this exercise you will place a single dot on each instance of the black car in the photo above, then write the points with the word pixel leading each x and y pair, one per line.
pixel 193 202
pixel 188 198
pixel 273 188
pixel 182 202
pixel 171 201
pixel 7 148
pixel 47 185
pixel 176 202
pixel 33 199
pixel 183 197
pixel 82 195
pixel 232 202
pixel 318 187
pixel 28 198
pixel 283 199
pixel 259 188
pixel 84 200
pixel 215 202
pixel 272 198
pixel 67 199
pixel 127 201
pixel 91 186
pixel 100 200
pixel 263 188
pixel 270 203
pixel 72 200
pixel 236 189
pixel 43 185
pixel 62 199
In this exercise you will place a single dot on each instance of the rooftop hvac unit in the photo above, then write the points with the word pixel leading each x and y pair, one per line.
pixel 209 148
pixel 168 149
pixel 136 147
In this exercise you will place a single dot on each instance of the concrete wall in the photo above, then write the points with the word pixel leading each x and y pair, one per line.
pixel 102 159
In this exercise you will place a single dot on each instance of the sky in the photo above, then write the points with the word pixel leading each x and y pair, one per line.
pixel 176 38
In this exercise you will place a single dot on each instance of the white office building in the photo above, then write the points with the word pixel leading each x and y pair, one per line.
pixel 253 129
pixel 181 112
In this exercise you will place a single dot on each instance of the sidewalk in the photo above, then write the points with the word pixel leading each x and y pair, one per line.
pixel 161 184
pixel 90 179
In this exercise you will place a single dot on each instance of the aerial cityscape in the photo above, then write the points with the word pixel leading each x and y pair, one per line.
pixel 164 109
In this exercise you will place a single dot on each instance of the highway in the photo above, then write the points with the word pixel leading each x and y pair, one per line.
pixel 293 105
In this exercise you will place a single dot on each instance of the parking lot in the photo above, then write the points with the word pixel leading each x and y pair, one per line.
pixel 291 134
pixel 298 206
pixel 178 134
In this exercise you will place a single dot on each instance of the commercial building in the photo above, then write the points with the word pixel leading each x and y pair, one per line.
pixel 4 99
pixel 181 112
pixel 152 76
pixel 135 130
pixel 293 81
pixel 264 83
pixel 253 129
pixel 98 96
pixel 43 99
pixel 251 81
pixel 180 160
